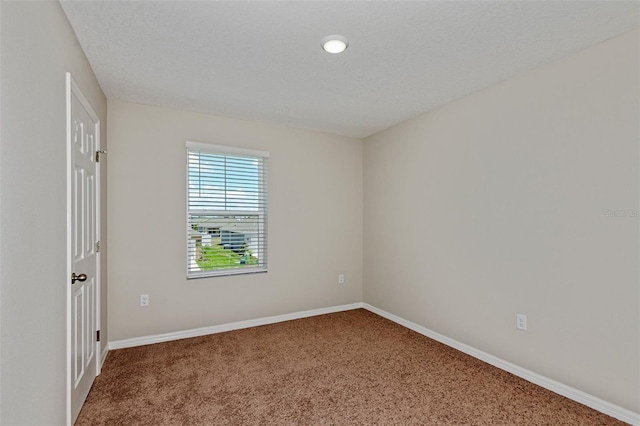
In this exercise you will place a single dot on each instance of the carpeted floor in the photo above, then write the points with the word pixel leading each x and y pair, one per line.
pixel 347 368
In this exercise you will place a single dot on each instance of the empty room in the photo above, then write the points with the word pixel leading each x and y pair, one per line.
pixel 319 212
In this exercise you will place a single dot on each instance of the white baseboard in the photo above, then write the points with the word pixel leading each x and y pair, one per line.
pixel 554 386
pixel 166 337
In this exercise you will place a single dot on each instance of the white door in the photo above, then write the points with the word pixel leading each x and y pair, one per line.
pixel 83 141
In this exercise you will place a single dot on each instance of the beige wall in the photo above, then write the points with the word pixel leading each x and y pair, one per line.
pixel 37 48
pixel 496 204
pixel 315 222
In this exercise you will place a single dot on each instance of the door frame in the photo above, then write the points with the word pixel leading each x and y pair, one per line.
pixel 72 88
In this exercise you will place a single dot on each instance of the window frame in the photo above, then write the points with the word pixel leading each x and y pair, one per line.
pixel 225 150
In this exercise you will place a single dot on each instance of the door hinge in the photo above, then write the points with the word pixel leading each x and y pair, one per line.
pixel 97 335
pixel 98 247
pixel 102 151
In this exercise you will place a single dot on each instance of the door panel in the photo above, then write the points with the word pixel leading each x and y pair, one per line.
pixel 83 143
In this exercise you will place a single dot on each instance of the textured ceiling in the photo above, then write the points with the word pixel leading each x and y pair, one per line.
pixel 262 60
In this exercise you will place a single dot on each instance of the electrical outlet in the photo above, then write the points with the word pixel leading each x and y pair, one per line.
pixel 521 322
pixel 144 300
pixel 341 279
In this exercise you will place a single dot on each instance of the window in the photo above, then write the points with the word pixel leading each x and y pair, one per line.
pixel 226 210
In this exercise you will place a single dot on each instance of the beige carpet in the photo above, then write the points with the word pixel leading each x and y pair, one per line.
pixel 339 369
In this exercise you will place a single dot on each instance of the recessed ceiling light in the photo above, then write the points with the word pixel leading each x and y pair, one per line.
pixel 334 44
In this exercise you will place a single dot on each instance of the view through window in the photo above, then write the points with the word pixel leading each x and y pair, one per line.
pixel 227 210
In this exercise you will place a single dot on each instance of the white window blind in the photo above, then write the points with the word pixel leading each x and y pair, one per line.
pixel 226 210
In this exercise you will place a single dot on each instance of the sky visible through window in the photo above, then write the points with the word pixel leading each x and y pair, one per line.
pixel 223 182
